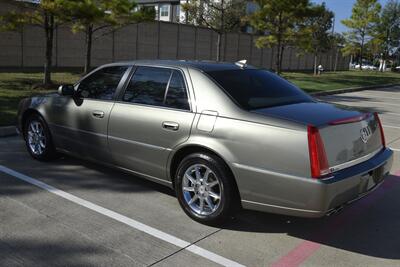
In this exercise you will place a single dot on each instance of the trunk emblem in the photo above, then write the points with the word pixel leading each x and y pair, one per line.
pixel 365 134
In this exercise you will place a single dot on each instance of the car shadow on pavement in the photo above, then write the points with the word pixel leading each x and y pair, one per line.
pixel 368 226
pixel 58 252
pixel 73 173
pixel 123 182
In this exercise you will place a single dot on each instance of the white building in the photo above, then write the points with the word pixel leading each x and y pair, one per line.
pixel 171 10
pixel 166 10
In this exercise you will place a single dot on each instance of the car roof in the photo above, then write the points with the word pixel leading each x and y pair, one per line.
pixel 202 65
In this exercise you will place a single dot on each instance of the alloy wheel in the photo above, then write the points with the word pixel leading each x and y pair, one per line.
pixel 201 189
pixel 36 137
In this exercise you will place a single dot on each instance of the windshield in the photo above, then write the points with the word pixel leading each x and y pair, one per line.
pixel 255 88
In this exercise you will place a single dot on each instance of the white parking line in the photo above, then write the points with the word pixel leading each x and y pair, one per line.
pixel 123 219
pixel 390 126
pixel 395 149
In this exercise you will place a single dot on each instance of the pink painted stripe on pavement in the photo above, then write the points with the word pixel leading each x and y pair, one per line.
pixel 306 248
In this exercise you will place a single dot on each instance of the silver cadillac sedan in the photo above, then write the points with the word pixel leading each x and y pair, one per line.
pixel 222 135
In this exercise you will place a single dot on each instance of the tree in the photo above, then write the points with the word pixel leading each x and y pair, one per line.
pixel 387 37
pixel 282 22
pixel 220 16
pixel 362 24
pixel 337 43
pixel 317 38
pixel 44 15
pixel 92 16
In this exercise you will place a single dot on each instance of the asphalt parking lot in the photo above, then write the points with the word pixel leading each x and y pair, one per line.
pixel 73 213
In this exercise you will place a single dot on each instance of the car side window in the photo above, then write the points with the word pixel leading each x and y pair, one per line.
pixel 147 86
pixel 176 96
pixel 157 87
pixel 103 83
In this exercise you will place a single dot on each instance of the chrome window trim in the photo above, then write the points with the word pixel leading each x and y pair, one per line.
pixel 153 106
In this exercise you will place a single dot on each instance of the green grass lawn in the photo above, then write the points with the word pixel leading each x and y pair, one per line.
pixel 15 86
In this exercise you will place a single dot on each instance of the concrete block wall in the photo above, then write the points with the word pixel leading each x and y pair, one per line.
pixel 153 40
pixel 168 41
pixel 186 42
pixel 125 43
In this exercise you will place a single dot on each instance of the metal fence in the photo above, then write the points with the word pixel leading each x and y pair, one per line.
pixel 155 40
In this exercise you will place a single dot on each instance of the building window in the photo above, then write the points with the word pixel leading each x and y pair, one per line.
pixel 164 11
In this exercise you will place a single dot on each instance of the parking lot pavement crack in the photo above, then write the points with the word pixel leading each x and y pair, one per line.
pixel 66 226
pixel 184 248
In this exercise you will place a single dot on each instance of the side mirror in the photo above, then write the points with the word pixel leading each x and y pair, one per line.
pixel 66 90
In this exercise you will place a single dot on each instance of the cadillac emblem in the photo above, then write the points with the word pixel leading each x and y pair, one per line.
pixel 365 134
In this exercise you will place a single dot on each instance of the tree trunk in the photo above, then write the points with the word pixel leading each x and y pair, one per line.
pixel 278 60
pixel 281 59
pixel 336 59
pixel 219 45
pixel 221 30
pixel 89 36
pixel 315 63
pixel 351 61
pixel 361 52
pixel 49 31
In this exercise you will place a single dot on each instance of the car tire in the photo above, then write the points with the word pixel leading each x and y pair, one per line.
pixel 38 139
pixel 210 183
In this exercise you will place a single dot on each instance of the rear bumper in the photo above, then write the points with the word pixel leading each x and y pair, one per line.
pixel 316 198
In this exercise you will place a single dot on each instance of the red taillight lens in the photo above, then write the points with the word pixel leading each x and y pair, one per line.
pixel 380 128
pixel 318 161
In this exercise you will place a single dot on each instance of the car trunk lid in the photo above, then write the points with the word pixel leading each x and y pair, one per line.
pixel 351 142
pixel 349 136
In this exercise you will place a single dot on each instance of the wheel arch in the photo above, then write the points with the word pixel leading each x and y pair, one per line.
pixel 188 149
pixel 25 115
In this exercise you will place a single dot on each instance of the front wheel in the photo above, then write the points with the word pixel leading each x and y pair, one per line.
pixel 38 139
pixel 205 189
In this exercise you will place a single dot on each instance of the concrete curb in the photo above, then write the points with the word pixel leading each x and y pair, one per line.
pixel 353 89
pixel 8 131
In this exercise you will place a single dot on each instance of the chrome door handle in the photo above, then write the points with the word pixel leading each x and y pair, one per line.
pixel 98 114
pixel 173 126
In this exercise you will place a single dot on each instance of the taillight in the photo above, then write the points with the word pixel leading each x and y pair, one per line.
pixel 318 161
pixel 380 128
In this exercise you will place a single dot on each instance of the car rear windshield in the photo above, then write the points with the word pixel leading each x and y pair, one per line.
pixel 256 89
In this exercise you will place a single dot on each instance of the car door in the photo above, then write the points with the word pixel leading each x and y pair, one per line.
pixel 80 123
pixel 152 116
